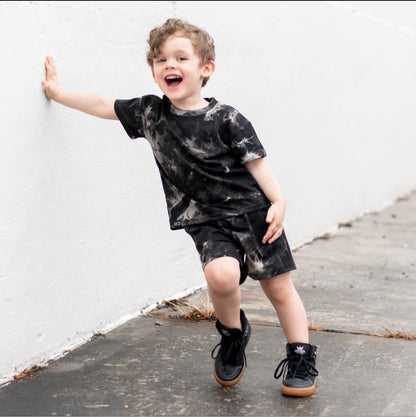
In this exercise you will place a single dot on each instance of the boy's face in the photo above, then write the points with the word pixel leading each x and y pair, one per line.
pixel 178 71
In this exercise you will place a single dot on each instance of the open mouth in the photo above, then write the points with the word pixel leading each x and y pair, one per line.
pixel 173 80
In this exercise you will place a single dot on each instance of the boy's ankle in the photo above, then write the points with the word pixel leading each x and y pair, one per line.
pixel 222 325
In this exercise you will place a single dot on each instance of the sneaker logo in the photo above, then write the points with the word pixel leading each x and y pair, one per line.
pixel 300 350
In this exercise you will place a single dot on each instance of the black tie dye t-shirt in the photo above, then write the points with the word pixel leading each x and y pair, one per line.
pixel 200 155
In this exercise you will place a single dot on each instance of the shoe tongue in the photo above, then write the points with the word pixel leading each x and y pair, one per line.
pixel 235 333
pixel 300 348
pixel 227 332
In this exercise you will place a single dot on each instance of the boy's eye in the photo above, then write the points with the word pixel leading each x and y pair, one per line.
pixel 181 58
pixel 160 60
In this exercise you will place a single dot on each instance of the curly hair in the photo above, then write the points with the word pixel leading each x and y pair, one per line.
pixel 200 39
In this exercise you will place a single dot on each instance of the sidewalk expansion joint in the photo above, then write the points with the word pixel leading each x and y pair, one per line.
pixel 387 335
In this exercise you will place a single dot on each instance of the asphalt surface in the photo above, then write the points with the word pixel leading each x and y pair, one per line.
pixel 359 289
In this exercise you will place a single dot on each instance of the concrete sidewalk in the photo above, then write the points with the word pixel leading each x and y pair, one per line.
pixel 358 286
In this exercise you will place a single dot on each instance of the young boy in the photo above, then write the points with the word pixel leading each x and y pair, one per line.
pixel 219 188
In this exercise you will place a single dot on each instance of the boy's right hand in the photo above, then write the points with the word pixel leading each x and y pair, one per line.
pixel 50 83
pixel 93 104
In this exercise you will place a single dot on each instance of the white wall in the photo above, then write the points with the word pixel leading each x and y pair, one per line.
pixel 84 236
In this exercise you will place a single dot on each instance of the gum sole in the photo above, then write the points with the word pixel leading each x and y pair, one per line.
pixel 298 392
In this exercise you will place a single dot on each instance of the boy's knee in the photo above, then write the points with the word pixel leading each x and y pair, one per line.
pixel 223 275
pixel 279 288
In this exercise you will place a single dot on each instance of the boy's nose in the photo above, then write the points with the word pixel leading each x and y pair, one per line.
pixel 171 63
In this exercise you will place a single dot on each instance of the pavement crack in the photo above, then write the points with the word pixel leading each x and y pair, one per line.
pixel 387 335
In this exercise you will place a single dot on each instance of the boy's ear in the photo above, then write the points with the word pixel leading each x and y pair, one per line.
pixel 208 69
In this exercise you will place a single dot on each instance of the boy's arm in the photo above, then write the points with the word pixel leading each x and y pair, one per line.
pixel 93 104
pixel 264 176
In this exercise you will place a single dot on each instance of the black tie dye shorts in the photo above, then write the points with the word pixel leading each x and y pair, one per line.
pixel 241 237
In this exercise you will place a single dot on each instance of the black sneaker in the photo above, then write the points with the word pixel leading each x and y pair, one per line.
pixel 298 370
pixel 230 359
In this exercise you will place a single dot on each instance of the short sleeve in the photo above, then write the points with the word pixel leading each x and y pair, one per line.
pixel 134 112
pixel 130 114
pixel 244 140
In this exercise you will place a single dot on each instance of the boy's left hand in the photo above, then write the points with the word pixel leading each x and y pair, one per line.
pixel 274 217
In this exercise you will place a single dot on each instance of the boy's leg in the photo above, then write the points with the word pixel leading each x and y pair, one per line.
pixel 289 307
pixel 298 368
pixel 222 259
pixel 223 276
